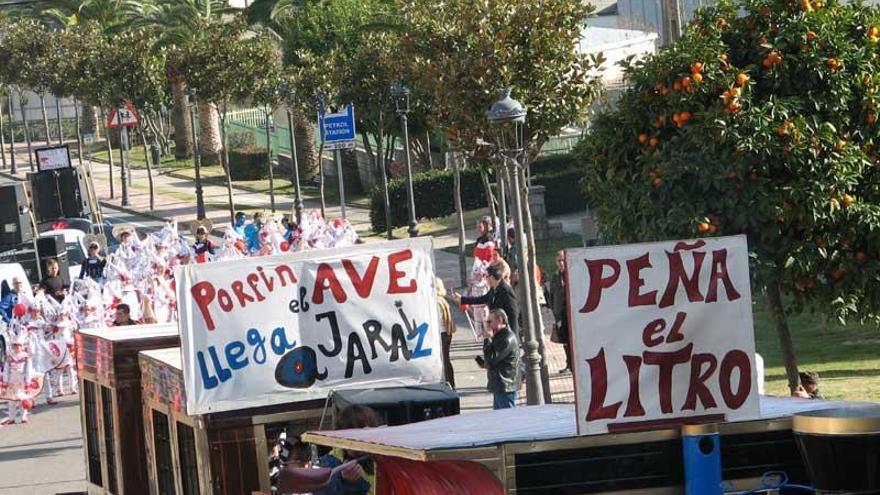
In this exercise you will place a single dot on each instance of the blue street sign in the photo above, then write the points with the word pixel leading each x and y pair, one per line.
pixel 337 129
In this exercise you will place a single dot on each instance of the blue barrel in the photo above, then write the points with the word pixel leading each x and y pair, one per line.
pixel 701 445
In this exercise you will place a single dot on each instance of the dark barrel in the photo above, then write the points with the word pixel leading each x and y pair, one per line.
pixel 841 449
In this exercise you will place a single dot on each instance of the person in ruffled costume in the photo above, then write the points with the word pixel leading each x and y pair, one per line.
pixel 20 383
pixel 484 254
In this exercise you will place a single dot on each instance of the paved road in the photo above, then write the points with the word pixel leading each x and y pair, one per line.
pixel 46 457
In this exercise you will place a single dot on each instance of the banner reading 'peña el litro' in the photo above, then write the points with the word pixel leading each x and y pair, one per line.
pixel 293 327
pixel 662 334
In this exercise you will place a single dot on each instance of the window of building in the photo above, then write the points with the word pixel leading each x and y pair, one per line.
pixel 162 444
pixel 93 449
pixel 189 470
pixel 109 437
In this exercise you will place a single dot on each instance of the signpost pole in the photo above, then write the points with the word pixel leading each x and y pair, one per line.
pixel 338 156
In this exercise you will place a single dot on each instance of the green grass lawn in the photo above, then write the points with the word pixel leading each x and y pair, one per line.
pixel 846 357
pixel 138 160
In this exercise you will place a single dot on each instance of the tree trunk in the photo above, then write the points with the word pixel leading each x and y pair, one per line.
pixel 383 175
pixel 322 178
pixel 210 134
pixel 11 110
pixel 89 121
pixel 532 272
pixel 490 199
pixel 109 151
pixel 2 138
pixel 79 140
pixel 183 144
pixel 45 117
pixel 777 311
pixel 58 119
pixel 148 159
pixel 305 144
pixel 459 212
pixel 224 157
pixel 27 128
pixel 502 201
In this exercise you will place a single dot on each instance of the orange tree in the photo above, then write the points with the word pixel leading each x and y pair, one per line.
pixel 760 121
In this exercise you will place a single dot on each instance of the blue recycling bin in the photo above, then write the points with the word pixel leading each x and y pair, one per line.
pixel 701 445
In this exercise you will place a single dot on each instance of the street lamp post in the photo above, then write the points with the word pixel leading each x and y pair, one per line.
pixel 401 104
pixel 197 154
pixel 508 116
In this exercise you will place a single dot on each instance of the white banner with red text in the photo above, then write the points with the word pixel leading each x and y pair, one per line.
pixel 662 334
pixel 293 327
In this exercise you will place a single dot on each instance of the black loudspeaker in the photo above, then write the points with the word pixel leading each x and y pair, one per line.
pixel 15 222
pixel 56 194
pixel 53 246
pixel 401 405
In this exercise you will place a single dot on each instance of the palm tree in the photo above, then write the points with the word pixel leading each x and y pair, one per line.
pixel 177 22
pixel 276 15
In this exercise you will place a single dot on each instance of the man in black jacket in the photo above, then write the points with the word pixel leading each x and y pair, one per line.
pixel 500 296
pixel 501 360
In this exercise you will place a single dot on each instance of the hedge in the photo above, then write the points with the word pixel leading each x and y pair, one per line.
pixel 433 197
pixel 560 174
pixel 248 164
pixel 563 192
pixel 554 164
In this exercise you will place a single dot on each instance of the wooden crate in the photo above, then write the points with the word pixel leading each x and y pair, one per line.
pixel 112 422
pixel 215 454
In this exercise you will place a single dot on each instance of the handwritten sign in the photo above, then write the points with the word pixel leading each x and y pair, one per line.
pixel 293 327
pixel 662 334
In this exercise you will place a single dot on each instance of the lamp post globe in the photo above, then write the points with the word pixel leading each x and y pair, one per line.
pixel 401 104
pixel 507 117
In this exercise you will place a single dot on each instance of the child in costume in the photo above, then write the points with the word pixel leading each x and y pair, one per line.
pixel 20 384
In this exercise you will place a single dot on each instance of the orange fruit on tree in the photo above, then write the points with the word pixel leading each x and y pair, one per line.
pixel 657 182
pixel 713 228
pixel 811 35
pixel 697 78
pixel 703 227
pixel 871 118
pixel 685 116
pixel 847 200
pixel 696 67
pixel 686 82
pixel 676 86
pixel 653 142
pixel 742 79
pixel 643 138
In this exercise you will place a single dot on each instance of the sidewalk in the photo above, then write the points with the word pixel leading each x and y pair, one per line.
pixel 175 199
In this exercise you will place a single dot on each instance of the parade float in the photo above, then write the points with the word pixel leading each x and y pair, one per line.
pixel 666 396
pixel 271 345
pixel 110 405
